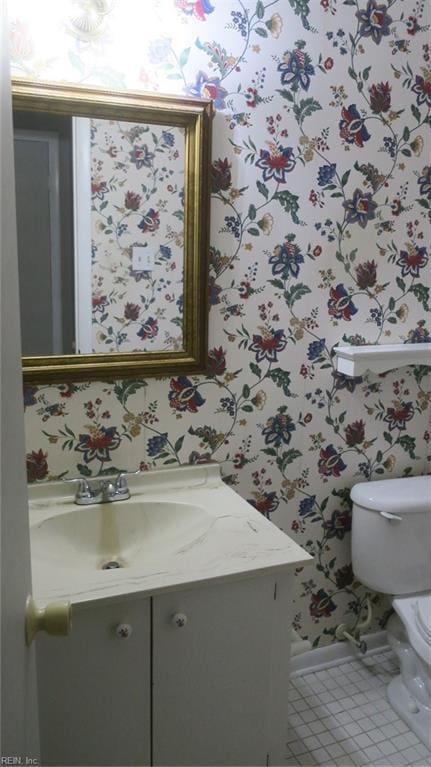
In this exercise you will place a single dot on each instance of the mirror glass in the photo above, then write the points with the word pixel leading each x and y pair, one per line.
pixel 100 212
pixel 112 193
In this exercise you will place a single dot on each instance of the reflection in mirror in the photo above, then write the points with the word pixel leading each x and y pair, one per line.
pixel 113 191
pixel 100 211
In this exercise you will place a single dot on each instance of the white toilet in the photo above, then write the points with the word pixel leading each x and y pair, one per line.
pixel 391 553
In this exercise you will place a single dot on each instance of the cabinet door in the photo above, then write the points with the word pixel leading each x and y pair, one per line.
pixel 220 681
pixel 94 689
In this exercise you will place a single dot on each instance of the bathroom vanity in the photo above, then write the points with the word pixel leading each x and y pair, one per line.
pixel 181 655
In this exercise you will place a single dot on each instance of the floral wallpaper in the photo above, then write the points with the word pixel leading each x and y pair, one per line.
pixel 321 194
pixel 137 190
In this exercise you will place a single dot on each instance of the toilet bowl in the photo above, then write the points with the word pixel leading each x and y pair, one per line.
pixel 391 553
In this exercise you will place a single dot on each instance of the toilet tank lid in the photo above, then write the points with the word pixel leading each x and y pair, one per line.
pixel 405 495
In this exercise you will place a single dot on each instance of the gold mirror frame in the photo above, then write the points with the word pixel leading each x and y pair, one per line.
pixel 195 117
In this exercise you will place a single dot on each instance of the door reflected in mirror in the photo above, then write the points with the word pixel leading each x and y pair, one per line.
pixel 100 212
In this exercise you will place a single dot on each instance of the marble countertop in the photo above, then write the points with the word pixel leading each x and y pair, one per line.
pixel 238 542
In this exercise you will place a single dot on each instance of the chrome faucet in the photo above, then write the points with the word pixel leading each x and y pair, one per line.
pixel 106 490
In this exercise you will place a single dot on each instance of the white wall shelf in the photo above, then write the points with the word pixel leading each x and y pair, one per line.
pixel 354 361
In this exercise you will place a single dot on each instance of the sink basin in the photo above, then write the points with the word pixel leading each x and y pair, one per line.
pixel 116 535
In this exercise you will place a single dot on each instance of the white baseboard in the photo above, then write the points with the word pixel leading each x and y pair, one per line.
pixel 332 655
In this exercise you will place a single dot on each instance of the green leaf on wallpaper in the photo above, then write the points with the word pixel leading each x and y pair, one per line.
pixel 252 212
pixel 295 293
pixel 260 9
pixel 345 178
pixel 287 458
pixel 302 9
pixel 406 152
pixel 366 73
pixel 246 391
pixel 422 294
pixel 285 94
pixel 401 284
pixel 262 189
pixel 247 408
pixel 255 232
pixel 261 31
pixel 388 437
pixel 305 108
pixel 179 443
pixel 109 76
pixel 83 470
pixel 184 57
pixel 416 113
pixel 406 134
pixel 255 369
pixel 352 73
pixel 391 304
pixel 289 202
pixel 408 444
pixel 76 62
pixel 282 379
pixel 277 284
pixel 124 389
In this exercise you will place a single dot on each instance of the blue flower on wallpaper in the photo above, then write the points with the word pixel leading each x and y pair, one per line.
pixel 352 126
pixel 278 430
pixel 210 88
pixel 340 304
pixel 159 50
pixel 196 8
pixel 412 259
pixel 98 443
pixel 277 163
pixel 326 173
pixel 374 21
pixel 296 69
pixel 424 182
pixel 306 506
pixel 420 334
pixel 141 156
pixel 315 349
pixel 360 209
pixel 156 444
pixel 422 88
pixel 184 396
pixel 286 260
pixel 168 138
pixel 268 345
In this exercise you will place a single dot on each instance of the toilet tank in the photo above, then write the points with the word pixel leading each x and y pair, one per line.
pixel 392 554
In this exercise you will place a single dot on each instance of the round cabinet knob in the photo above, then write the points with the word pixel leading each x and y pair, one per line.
pixel 179 620
pixel 123 631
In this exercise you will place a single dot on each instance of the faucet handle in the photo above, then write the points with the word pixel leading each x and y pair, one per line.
pixel 121 480
pixel 83 490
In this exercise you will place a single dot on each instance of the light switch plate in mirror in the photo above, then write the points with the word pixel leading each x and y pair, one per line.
pixel 145 124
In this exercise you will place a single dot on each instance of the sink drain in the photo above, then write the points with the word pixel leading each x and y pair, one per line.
pixel 111 565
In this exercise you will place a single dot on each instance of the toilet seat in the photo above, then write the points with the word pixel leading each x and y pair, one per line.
pixel 415 613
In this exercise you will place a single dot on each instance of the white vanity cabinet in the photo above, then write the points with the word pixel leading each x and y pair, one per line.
pixel 202 679
pixel 95 688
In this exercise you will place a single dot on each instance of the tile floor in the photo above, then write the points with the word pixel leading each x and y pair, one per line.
pixel 340 716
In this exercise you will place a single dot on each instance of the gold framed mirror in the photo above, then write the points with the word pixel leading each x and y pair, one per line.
pixel 129 297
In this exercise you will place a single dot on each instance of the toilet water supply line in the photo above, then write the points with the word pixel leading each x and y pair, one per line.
pixel 354 636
